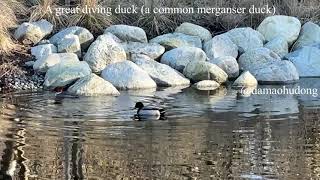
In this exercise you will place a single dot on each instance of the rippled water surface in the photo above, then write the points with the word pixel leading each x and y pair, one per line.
pixel 207 135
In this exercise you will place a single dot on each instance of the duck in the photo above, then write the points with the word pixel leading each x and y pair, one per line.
pixel 145 112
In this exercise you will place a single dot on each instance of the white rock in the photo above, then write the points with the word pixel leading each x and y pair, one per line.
pixel 70 44
pixel 92 85
pixel 66 73
pixel 128 33
pixel 246 79
pixel 162 74
pixel 309 34
pixel 227 63
pixel 127 75
pixel 206 85
pixel 32 33
pixel 153 50
pixel 284 26
pixel 194 30
pixel 43 64
pixel 178 58
pixel 174 40
pixel 278 45
pixel 103 51
pixel 220 46
pixel 42 51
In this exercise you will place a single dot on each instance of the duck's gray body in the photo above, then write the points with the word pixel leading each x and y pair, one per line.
pixel 149 112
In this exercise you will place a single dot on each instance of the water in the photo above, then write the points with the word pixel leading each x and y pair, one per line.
pixel 207 135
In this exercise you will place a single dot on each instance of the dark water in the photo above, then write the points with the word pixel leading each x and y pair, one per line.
pixel 207 135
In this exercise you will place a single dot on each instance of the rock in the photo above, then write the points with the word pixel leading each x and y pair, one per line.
pixel 220 46
pixel 153 50
pixel 178 58
pixel 103 51
pixel 85 37
pixel 309 34
pixel 92 85
pixel 127 75
pixel 279 46
pixel 284 26
pixel 306 60
pixel 246 79
pixel 256 57
pixel 162 74
pixel 128 33
pixel 246 38
pixel 277 72
pixel 174 40
pixel 29 64
pixel 66 73
pixel 202 70
pixel 42 65
pixel 194 30
pixel 44 41
pixel 206 85
pixel 42 51
pixel 227 63
pixel 70 44
pixel 32 33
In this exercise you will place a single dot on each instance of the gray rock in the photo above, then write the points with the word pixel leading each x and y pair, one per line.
pixel 206 85
pixel 278 45
pixel 32 33
pixel 42 51
pixel 29 63
pixel 43 64
pixel 127 75
pixel 309 34
pixel 194 30
pixel 85 37
pixel 162 74
pixel 174 40
pixel 246 38
pixel 178 58
pixel 70 44
pixel 202 70
pixel 153 50
pixel 227 63
pixel 220 46
pixel 306 60
pixel 128 33
pixel 256 57
pixel 284 26
pixel 103 51
pixel 66 73
pixel 246 79
pixel 277 72
pixel 92 85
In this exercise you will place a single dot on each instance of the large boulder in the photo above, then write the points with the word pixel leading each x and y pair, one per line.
pixel 42 51
pixel 43 64
pixel 206 85
pixel 277 72
pixel 85 36
pixel 128 33
pixel 306 60
pixel 227 63
pixel 103 51
pixel 174 40
pixel 153 50
pixel 65 73
pixel 309 34
pixel 246 79
pixel 220 46
pixel 92 85
pixel 284 26
pixel 70 44
pixel 278 45
pixel 34 32
pixel 178 58
pixel 246 38
pixel 202 70
pixel 162 74
pixel 194 30
pixel 256 57
pixel 127 75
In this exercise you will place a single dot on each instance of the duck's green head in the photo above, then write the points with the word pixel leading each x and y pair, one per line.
pixel 139 105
